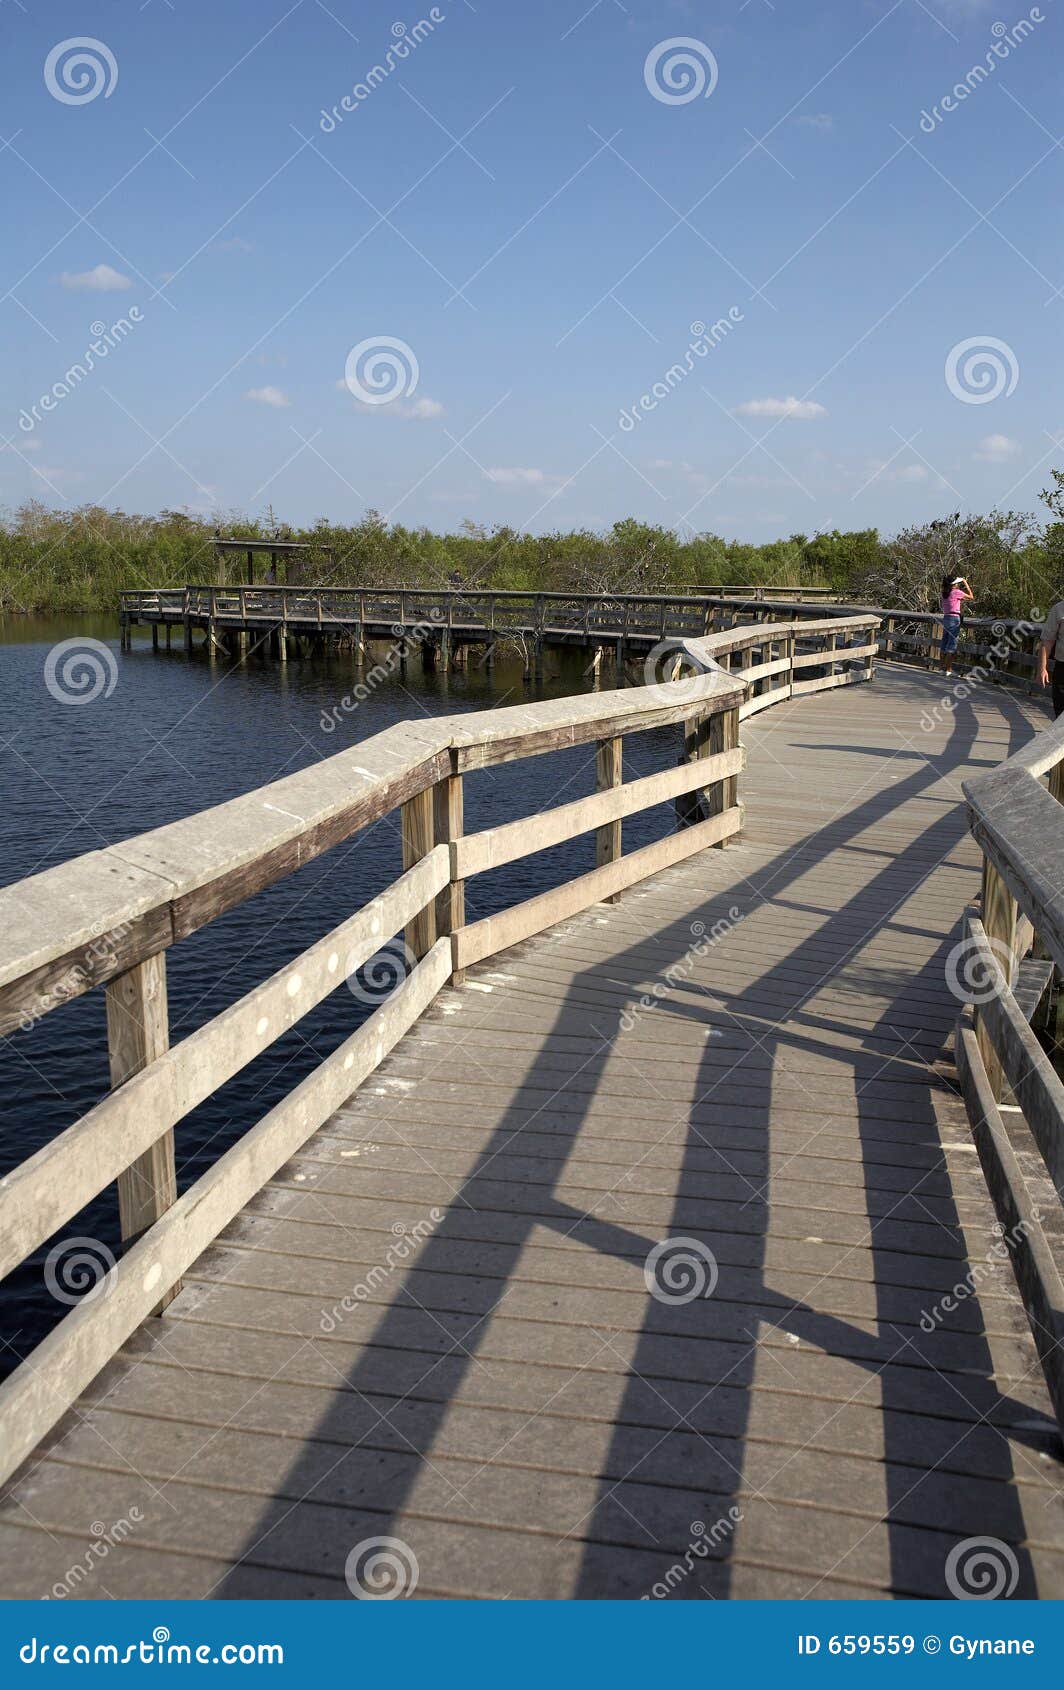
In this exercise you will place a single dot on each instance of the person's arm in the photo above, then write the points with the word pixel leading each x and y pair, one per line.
pixel 1046 644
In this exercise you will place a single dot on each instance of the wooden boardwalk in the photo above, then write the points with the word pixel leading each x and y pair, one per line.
pixel 438 1325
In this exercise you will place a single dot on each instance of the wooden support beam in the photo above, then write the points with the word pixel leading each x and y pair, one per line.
pixel 449 825
pixel 690 808
pixel 999 917
pixel 418 823
pixel 608 754
pixel 723 736
pixel 138 1031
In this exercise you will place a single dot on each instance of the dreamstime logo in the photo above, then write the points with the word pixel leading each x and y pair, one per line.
pixel 679 972
pixel 76 1270
pixel 105 1538
pixel 970 975
pixel 381 1568
pixel 982 1569
pixel 981 369
pixel 105 340
pixel 680 70
pixel 375 981
pixel 1007 1241
pixel 1008 637
pixel 1006 40
pixel 79 670
pixel 679 1270
pixel 79 70
pixel 703 1539
pixel 418 635
pixel 99 956
pixel 380 369
pixel 703 341
pixel 405 38
pixel 673 675
pixel 406 1241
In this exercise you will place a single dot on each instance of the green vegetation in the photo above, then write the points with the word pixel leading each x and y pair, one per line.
pixel 80 560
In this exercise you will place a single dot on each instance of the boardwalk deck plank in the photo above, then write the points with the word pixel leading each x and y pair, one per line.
pixel 434 1322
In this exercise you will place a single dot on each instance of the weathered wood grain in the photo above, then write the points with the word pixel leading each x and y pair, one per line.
pixel 495 846
pixel 41 1194
pixel 39 1391
pixel 499 932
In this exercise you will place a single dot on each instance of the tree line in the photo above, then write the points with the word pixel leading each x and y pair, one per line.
pixel 80 560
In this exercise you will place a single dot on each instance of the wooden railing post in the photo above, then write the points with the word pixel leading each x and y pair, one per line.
pixel 787 650
pixel 607 776
pixel 138 1031
pixel 723 736
pixel 688 805
pixel 448 826
pixel 418 823
pixel 999 914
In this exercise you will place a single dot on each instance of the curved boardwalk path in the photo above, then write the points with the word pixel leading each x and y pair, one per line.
pixel 509 1401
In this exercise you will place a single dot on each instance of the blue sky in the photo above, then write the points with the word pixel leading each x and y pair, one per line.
pixel 517 205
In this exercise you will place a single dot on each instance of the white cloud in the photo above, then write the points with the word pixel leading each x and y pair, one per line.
pixel 822 120
pixel 236 244
pixel 100 280
pixel 268 396
pixel 997 449
pixel 690 472
pixel 803 409
pixel 418 410
pixel 882 469
pixel 516 477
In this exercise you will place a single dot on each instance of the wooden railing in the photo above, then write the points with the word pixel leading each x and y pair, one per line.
pixel 401 604
pixel 106 920
pixel 1016 817
pixel 1000 648
pixel 593 616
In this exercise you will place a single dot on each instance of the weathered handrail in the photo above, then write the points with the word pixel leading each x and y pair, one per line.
pixel 107 919
pixel 1004 649
pixel 1018 822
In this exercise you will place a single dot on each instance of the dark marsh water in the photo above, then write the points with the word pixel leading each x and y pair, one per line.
pixel 167 735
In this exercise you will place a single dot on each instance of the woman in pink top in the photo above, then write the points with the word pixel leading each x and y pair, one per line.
pixel 955 590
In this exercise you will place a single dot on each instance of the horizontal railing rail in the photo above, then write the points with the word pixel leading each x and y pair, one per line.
pixel 1016 817
pixel 106 920
pixel 1001 649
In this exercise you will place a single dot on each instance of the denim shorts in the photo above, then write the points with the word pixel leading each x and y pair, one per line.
pixel 951 627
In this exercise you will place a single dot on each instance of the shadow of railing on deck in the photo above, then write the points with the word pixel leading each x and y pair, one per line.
pixel 682 1448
